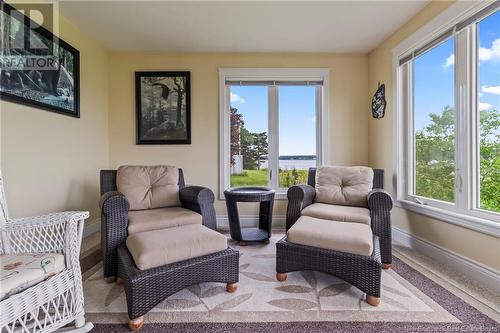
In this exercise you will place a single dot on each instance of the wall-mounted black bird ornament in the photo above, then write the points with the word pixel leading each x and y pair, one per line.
pixel 378 102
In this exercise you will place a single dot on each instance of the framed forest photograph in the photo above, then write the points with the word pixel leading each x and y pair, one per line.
pixel 36 67
pixel 163 107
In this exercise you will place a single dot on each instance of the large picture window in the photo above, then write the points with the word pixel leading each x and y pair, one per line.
pixel 448 119
pixel 272 125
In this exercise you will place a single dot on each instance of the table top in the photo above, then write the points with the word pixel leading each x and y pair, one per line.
pixel 248 191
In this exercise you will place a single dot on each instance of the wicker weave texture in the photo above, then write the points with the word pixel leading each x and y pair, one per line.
pixel 57 301
pixel 379 203
pixel 145 289
pixel 364 272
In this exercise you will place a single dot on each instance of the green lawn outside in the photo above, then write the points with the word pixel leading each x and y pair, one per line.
pixel 250 178
pixel 259 178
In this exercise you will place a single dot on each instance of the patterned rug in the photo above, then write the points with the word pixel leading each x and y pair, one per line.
pixel 313 301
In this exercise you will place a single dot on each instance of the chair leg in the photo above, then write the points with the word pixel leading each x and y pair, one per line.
pixel 372 300
pixel 136 324
pixel 79 321
pixel 386 266
pixel 281 277
pixel 231 287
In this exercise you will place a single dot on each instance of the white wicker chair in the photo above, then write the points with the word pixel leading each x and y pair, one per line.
pixel 56 302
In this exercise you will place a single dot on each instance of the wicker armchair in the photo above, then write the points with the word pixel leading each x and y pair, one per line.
pixel 379 203
pixel 57 300
pixel 360 270
pixel 156 258
pixel 114 215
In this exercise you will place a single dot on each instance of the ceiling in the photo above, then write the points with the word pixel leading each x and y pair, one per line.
pixel 240 26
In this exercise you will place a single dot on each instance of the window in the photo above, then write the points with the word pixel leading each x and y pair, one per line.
pixel 249 135
pixel 271 126
pixel 448 117
pixel 434 124
pixel 488 106
pixel 297 153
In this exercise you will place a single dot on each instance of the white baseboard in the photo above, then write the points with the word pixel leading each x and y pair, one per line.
pixel 250 221
pixel 91 227
pixel 486 276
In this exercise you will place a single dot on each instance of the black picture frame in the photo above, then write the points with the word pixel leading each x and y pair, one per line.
pixel 167 123
pixel 71 97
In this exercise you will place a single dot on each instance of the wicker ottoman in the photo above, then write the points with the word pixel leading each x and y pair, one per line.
pixel 146 288
pixel 362 270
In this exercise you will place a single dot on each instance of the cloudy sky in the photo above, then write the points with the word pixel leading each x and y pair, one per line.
pixel 434 73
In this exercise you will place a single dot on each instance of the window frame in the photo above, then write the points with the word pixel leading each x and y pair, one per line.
pixel 272 74
pixel 465 210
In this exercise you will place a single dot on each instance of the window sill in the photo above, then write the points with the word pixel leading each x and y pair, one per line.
pixel 484 226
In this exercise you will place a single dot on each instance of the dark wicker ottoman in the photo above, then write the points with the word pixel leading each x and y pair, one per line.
pixel 363 272
pixel 145 289
pixel 250 194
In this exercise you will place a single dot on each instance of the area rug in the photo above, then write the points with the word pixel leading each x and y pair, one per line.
pixel 305 302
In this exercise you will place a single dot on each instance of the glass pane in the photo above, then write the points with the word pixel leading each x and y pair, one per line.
pixel 249 118
pixel 297 134
pixel 434 123
pixel 489 111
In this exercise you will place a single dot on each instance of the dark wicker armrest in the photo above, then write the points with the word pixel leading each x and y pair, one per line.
pixel 379 199
pixel 299 197
pixel 380 204
pixel 201 200
pixel 114 222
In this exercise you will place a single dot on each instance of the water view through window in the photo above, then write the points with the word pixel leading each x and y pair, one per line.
pixel 297 134
pixel 295 151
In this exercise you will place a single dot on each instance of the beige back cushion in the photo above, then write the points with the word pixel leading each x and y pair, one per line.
pixel 347 186
pixel 147 187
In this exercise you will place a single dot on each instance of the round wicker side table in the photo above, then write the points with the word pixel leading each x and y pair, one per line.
pixel 250 194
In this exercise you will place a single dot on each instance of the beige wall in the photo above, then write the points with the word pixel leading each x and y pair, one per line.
pixel 474 245
pixel 200 160
pixel 51 162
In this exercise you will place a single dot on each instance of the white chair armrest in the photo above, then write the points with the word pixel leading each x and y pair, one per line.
pixel 57 232
pixel 45 220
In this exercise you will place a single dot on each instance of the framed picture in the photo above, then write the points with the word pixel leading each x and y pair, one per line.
pixel 37 68
pixel 163 107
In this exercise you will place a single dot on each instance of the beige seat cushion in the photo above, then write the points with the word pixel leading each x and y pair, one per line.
pixel 147 187
pixel 161 247
pixel 338 213
pixel 21 271
pixel 347 237
pixel 346 186
pixel 161 218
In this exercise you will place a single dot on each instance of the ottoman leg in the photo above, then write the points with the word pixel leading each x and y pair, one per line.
pixel 281 277
pixel 231 287
pixel 136 324
pixel 372 300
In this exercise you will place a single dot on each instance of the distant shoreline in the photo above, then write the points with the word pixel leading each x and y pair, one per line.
pixel 293 158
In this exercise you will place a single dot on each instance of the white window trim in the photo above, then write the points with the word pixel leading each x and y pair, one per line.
pixel 478 221
pixel 270 74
